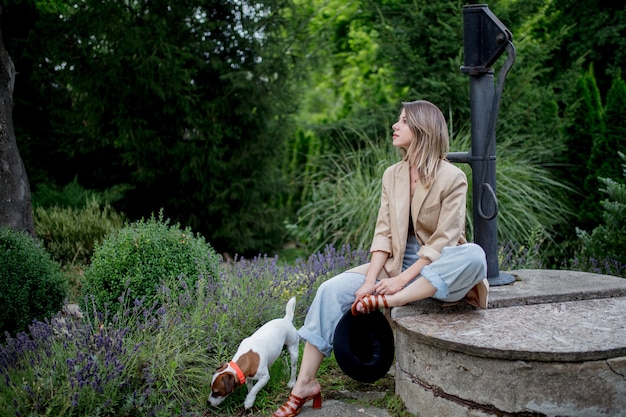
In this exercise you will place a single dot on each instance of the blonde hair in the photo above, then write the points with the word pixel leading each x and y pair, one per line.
pixel 431 141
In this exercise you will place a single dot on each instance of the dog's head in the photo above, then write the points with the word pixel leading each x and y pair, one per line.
pixel 222 384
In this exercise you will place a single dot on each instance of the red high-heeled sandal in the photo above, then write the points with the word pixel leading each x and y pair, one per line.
pixel 369 302
pixel 294 404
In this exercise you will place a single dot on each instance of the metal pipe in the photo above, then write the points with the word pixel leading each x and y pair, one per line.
pixel 486 38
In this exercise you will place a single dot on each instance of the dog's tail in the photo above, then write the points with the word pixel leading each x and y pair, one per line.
pixel 291 307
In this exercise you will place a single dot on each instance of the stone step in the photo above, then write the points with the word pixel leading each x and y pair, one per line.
pixel 553 343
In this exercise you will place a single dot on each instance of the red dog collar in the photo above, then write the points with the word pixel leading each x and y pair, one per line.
pixel 240 375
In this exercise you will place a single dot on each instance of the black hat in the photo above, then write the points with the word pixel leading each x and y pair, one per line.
pixel 364 346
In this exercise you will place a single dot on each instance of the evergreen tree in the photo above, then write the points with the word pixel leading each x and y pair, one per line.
pixel 615 120
pixel 588 143
pixel 594 30
pixel 606 244
pixel 584 115
pixel 187 102
pixel 604 160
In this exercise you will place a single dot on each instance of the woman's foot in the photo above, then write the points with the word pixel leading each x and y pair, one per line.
pixel 368 303
pixel 478 296
pixel 294 405
pixel 298 397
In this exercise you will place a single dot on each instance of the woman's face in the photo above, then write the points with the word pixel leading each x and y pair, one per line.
pixel 402 135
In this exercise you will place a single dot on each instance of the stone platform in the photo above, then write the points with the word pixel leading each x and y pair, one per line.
pixel 553 343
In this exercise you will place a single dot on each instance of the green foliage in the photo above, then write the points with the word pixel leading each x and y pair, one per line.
pixel 607 241
pixel 530 99
pixel 530 191
pixel 348 84
pixel 529 140
pixel 70 234
pixel 527 255
pixel 344 196
pixel 31 283
pixel 305 148
pixel 155 357
pixel 196 103
pixel 423 41
pixel 190 103
pixel 345 192
pixel 600 150
pixel 140 256
pixel 396 407
pixel 607 136
pixel 74 195
pixel 70 195
pixel 347 75
pixel 140 359
pixel 584 124
pixel 595 33
pixel 615 121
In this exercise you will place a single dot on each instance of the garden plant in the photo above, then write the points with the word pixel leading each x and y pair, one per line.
pixel 154 355
pixel 31 282
pixel 262 130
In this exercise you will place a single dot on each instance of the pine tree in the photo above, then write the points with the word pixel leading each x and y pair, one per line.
pixel 579 137
pixel 592 130
pixel 615 120
pixel 606 244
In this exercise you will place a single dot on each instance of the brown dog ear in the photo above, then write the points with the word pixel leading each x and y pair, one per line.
pixel 229 382
pixel 222 367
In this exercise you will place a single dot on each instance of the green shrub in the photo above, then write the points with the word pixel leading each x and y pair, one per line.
pixel 143 254
pixel 70 195
pixel 31 283
pixel 152 358
pixel 74 195
pixel 604 249
pixel 70 234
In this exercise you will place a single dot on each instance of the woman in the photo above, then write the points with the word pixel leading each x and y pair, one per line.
pixel 418 251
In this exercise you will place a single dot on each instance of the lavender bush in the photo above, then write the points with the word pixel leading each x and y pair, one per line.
pixel 607 265
pixel 154 356
pixel 512 256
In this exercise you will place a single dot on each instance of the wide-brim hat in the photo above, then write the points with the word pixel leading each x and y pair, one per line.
pixel 364 346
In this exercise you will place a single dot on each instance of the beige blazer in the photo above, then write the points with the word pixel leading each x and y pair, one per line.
pixel 438 215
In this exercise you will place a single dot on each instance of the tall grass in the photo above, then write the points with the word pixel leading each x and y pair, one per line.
pixel 531 194
pixel 346 187
pixel 344 195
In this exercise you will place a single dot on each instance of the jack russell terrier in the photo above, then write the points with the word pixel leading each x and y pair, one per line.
pixel 254 357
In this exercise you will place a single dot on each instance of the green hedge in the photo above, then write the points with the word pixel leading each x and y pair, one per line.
pixel 31 283
pixel 142 255
pixel 70 233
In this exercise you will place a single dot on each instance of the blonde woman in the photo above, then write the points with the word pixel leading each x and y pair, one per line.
pixel 418 251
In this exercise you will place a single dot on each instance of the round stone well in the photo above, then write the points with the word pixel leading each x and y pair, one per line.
pixel 553 343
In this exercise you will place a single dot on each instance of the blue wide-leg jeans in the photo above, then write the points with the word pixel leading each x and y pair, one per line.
pixel 453 275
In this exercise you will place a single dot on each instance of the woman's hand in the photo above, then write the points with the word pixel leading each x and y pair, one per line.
pixel 365 289
pixel 388 286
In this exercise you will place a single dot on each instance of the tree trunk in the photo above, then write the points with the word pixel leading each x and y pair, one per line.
pixel 15 205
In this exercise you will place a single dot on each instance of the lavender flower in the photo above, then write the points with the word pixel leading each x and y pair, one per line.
pixel 152 356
